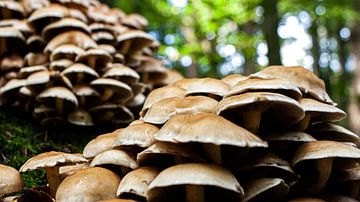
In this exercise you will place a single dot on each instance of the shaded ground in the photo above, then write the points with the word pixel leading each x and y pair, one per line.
pixel 21 138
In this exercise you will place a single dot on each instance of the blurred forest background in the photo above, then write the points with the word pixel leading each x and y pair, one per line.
pixel 219 37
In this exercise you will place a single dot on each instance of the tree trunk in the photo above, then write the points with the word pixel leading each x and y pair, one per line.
pixel 270 27
pixel 354 108
pixel 315 47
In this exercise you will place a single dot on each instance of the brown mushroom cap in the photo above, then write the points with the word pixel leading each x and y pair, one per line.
pixel 80 73
pixel 122 73
pixel 45 15
pixel 232 79
pixel 275 85
pixel 77 38
pixel 201 128
pixel 66 51
pixel 63 25
pixel 115 157
pixel 60 65
pixel 103 37
pixel 85 94
pixel 164 109
pixel 134 185
pixel 11 9
pixel 115 86
pixel 12 62
pixel 195 174
pixel 331 131
pixel 271 110
pixel 207 86
pixel 51 95
pixel 11 40
pixel 135 20
pixel 26 71
pixel 139 135
pixel 100 144
pixel 80 117
pixel 137 39
pixel 159 94
pixel 306 80
pixel 10 180
pixel 266 189
pixel 35 59
pixel 95 58
pixel 100 184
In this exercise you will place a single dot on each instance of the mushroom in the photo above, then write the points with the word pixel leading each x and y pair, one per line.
pixel 331 131
pixel 59 97
pixel 60 65
pixel 99 184
pixel 10 90
pixel 95 58
pixel 80 117
pixel 11 9
pixel 122 73
pixel 111 113
pixel 200 181
pixel 166 154
pixel 318 111
pixel 266 189
pixel 164 109
pixel 271 110
pixel 134 185
pixel 135 136
pixel 66 51
pixel 200 128
pixel 233 79
pixel 123 160
pixel 100 144
pixel 275 85
pixel 64 25
pixel 45 15
pixel 111 87
pixel 306 80
pixel 133 41
pixel 10 181
pixel 210 87
pixel 79 73
pixel 85 94
pixel 27 71
pixel 50 162
pixel 135 20
pixel 11 40
pixel 313 160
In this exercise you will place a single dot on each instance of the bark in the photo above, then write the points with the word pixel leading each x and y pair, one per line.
pixel 270 27
pixel 315 48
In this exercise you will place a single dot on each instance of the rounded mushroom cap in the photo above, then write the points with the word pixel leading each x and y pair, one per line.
pixel 141 135
pixel 10 180
pixel 280 110
pixel 164 109
pixel 80 117
pixel 15 9
pixel 290 136
pixel 306 80
pixel 324 149
pixel 66 51
pixel 200 174
pixel 60 65
pixel 320 111
pixel 276 85
pixel 120 88
pixel 58 92
pixel 123 73
pixel 99 184
pixel 100 144
pixel 137 182
pixel 77 38
pixel 206 86
pixel 232 79
pixel 201 128
pixel 75 69
pixel 26 71
pixel 51 159
pixel 266 189
pixel 161 93
pixel 135 20
pixel 331 131
pixel 102 56
pixel 139 40
pixel 63 25
pixel 115 157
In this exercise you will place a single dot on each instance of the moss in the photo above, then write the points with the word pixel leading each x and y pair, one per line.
pixel 21 138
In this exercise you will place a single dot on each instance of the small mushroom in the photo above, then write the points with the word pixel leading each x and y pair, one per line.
pixel 36 59
pixel 95 58
pixel 79 73
pixel 233 79
pixel 66 51
pixel 99 184
pixel 200 182
pixel 271 110
pixel 59 97
pixel 164 109
pixel 10 181
pixel 85 94
pixel 51 161
pixel 314 161
pixel 134 185
pixel 133 41
pixel 265 189
pixel 64 25
pixel 80 117
pixel 111 113
pixel 11 9
pixel 331 131
pixel 111 87
pixel 100 144
pixel 122 73
pixel 60 65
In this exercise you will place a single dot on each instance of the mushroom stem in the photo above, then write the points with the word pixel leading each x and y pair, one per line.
pixel 195 193
pixel 108 93
pixel 53 177
pixel 303 124
pixel 251 120
pixel 2 45
pixel 59 104
pixel 80 77
pixel 92 62
pixel 82 100
pixel 145 77
pixel 125 47
pixel 214 152
pixel 323 167
pixel 108 115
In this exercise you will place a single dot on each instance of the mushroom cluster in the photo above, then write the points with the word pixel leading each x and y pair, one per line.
pixel 76 61
pixel 270 136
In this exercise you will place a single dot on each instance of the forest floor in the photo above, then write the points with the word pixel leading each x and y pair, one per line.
pixel 21 138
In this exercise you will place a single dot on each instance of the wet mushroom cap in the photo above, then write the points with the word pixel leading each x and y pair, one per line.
pixel 200 174
pixel 164 109
pixel 137 181
pixel 100 184
pixel 100 144
pixel 10 180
